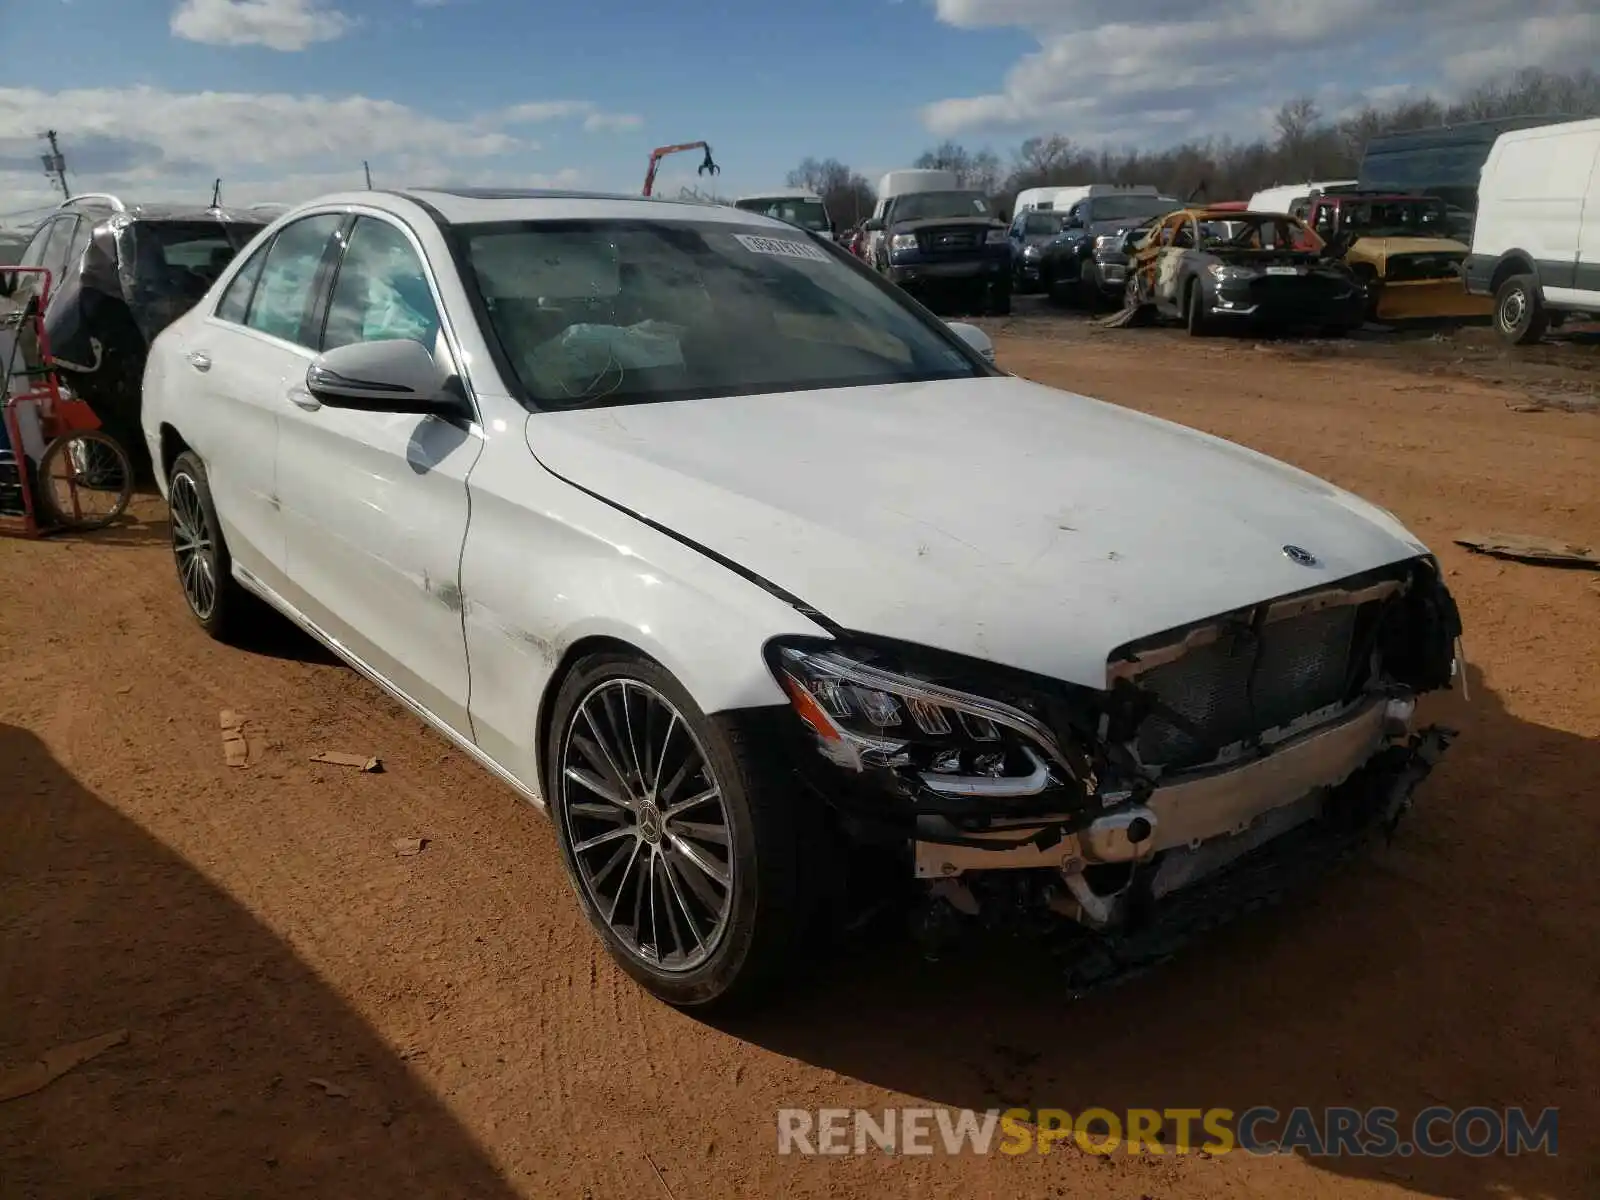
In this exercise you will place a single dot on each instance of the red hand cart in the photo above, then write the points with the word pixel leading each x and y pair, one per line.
pixel 61 471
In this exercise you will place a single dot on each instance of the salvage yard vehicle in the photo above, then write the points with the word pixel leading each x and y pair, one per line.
pixel 764 582
pixel 1067 265
pixel 796 206
pixel 1398 247
pixel 1536 244
pixel 940 244
pixel 1031 230
pixel 1295 198
pixel 122 274
pixel 1258 270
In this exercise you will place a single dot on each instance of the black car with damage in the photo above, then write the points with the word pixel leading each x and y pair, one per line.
pixel 1223 268
pixel 1068 270
pixel 949 243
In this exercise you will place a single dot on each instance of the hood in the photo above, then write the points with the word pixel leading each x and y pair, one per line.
pixel 989 517
pixel 948 223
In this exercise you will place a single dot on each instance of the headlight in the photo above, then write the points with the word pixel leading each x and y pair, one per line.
pixel 1108 242
pixel 1030 252
pixel 903 241
pixel 1222 273
pixel 958 744
pixel 995 237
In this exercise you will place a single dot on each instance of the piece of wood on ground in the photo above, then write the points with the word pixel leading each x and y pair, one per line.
pixel 56 1063
pixel 1522 547
pixel 338 758
pixel 330 1088
pixel 409 847
pixel 236 747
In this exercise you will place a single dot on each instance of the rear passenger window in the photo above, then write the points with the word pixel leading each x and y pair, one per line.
pixel 283 294
pixel 235 302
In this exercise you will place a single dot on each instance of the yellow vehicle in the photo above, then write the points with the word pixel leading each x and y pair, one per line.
pixel 1396 245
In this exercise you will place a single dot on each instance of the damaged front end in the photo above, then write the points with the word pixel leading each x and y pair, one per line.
pixel 1282 733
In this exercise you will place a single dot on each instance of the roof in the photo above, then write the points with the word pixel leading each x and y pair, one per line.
pixel 465 205
pixel 779 194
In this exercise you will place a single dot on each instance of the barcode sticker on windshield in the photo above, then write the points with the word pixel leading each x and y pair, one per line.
pixel 781 247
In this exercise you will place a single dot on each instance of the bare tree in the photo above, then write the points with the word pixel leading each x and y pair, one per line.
pixel 848 196
pixel 1305 145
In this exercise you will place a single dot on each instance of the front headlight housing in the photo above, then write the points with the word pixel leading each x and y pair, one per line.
pixel 1031 252
pixel 1223 273
pixel 957 744
pixel 1108 242
pixel 995 237
pixel 903 241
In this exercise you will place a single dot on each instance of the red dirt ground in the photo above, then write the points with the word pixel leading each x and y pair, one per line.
pixel 254 929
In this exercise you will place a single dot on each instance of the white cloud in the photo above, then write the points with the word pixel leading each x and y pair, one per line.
pixel 276 24
pixel 1105 68
pixel 594 118
pixel 154 144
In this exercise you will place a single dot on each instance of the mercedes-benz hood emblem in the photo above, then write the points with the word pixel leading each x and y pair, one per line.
pixel 1298 554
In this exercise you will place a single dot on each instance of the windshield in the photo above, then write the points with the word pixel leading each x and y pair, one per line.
pixel 1257 231
pixel 806 212
pixel 595 313
pixel 1395 218
pixel 1039 224
pixel 932 206
pixel 1123 208
pixel 203 247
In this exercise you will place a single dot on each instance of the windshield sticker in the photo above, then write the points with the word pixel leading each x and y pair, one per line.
pixel 781 247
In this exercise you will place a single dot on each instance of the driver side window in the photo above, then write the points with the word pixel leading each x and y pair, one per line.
pixel 381 291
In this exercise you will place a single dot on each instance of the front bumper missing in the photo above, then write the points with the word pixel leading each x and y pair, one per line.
pixel 1166 904
pixel 1194 809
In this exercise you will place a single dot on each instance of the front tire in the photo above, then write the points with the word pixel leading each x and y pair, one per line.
pixel 1519 313
pixel 1199 318
pixel 205 567
pixel 684 851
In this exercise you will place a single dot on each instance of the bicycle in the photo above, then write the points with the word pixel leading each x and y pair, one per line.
pixel 58 469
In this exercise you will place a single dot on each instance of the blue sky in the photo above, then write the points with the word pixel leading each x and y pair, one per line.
pixel 284 98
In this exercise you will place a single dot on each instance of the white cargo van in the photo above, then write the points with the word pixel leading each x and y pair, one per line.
pixel 1536 240
pixel 794 205
pixel 1045 199
pixel 1284 199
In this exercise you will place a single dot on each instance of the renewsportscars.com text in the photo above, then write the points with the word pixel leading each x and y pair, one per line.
pixel 1329 1132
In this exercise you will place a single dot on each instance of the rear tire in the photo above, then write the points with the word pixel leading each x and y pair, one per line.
pixel 730 868
pixel 205 567
pixel 1519 313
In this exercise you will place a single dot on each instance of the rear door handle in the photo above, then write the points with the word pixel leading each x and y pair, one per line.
pixel 301 398
pixel 199 360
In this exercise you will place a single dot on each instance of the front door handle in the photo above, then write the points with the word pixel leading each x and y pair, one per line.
pixel 302 398
pixel 199 360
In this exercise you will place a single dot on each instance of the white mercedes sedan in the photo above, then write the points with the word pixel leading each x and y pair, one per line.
pixel 780 598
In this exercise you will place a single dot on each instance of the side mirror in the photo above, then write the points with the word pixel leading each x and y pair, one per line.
pixel 392 376
pixel 974 337
pixel 872 225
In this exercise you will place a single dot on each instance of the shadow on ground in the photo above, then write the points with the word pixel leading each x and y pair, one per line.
pixel 1457 966
pixel 104 928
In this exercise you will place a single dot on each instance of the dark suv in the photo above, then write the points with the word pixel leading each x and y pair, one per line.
pixel 119 275
pixel 1031 231
pixel 946 242
pixel 1067 268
